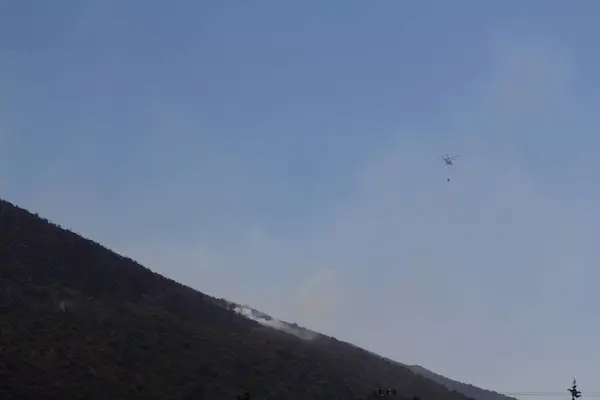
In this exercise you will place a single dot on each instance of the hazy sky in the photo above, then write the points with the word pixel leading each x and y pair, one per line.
pixel 286 155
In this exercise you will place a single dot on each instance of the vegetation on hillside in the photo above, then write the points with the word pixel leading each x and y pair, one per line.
pixel 78 321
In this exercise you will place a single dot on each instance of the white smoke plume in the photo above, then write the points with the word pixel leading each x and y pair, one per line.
pixel 271 322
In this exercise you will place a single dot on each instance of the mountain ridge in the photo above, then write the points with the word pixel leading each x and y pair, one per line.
pixel 469 390
pixel 77 317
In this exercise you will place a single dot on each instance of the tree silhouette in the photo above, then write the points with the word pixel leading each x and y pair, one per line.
pixel 575 394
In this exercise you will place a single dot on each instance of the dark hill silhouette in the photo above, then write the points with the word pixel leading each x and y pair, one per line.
pixel 294 329
pixel 80 321
pixel 467 389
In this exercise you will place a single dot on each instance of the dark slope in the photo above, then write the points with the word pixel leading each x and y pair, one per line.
pixel 468 390
pixel 79 321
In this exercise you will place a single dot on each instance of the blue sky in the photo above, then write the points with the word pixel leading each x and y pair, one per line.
pixel 286 155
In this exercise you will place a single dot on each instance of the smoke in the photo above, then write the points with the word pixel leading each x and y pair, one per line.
pixel 271 322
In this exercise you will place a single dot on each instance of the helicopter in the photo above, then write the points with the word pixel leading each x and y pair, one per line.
pixel 448 160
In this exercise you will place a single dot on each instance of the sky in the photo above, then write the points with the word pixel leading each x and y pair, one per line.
pixel 286 155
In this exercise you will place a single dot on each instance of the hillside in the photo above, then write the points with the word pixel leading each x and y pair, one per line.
pixel 80 321
pixel 468 390
pixel 471 391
